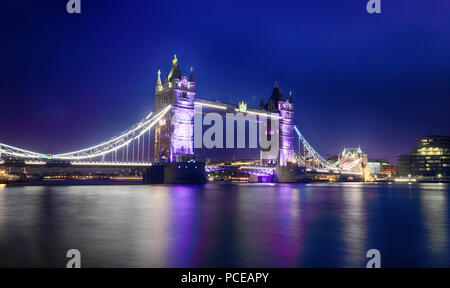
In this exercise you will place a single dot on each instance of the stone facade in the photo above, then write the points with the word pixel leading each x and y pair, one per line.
pixel 174 134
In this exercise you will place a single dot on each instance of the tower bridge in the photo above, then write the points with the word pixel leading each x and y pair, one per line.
pixel 173 155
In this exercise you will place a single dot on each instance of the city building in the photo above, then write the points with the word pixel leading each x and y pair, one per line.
pixel 376 166
pixel 387 170
pixel 431 157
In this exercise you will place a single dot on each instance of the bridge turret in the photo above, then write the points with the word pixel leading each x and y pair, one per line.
pixel 261 103
pixel 191 75
pixel 355 160
pixel 286 108
pixel 174 135
pixel 175 72
pixel 277 95
pixel 158 85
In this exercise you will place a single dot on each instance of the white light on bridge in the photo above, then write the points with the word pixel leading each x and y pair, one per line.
pixel 211 105
pixel 110 164
pixel 35 162
pixel 405 179
pixel 261 114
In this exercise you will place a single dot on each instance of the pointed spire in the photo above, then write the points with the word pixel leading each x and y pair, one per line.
pixel 276 94
pixel 158 81
pixel 291 100
pixel 191 76
pixel 261 103
pixel 276 97
pixel 175 72
pixel 175 60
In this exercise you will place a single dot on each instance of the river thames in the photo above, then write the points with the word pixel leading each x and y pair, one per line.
pixel 226 225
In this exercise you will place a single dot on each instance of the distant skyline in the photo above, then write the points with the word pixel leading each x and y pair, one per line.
pixel 374 81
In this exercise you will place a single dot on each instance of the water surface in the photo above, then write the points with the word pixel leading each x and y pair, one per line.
pixel 226 225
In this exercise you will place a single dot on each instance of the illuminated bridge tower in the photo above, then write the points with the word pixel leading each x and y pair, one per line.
pixel 174 134
pixel 286 108
pixel 356 161
pixel 267 156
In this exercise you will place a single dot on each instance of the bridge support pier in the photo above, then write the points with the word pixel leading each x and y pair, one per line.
pixel 291 174
pixel 261 179
pixel 175 173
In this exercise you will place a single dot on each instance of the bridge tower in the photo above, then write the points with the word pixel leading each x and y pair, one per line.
pixel 174 134
pixel 268 157
pixel 285 131
pixel 357 160
pixel 286 108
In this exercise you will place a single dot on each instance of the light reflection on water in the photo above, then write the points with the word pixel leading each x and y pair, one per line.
pixel 435 212
pixel 226 225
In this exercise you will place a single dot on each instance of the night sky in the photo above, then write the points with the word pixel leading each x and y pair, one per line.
pixel 378 81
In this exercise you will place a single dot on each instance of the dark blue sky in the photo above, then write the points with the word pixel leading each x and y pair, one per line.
pixel 379 81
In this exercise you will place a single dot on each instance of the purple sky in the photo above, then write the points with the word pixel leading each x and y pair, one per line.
pixel 378 81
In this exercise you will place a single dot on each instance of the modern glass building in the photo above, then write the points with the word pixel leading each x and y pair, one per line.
pixel 431 157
